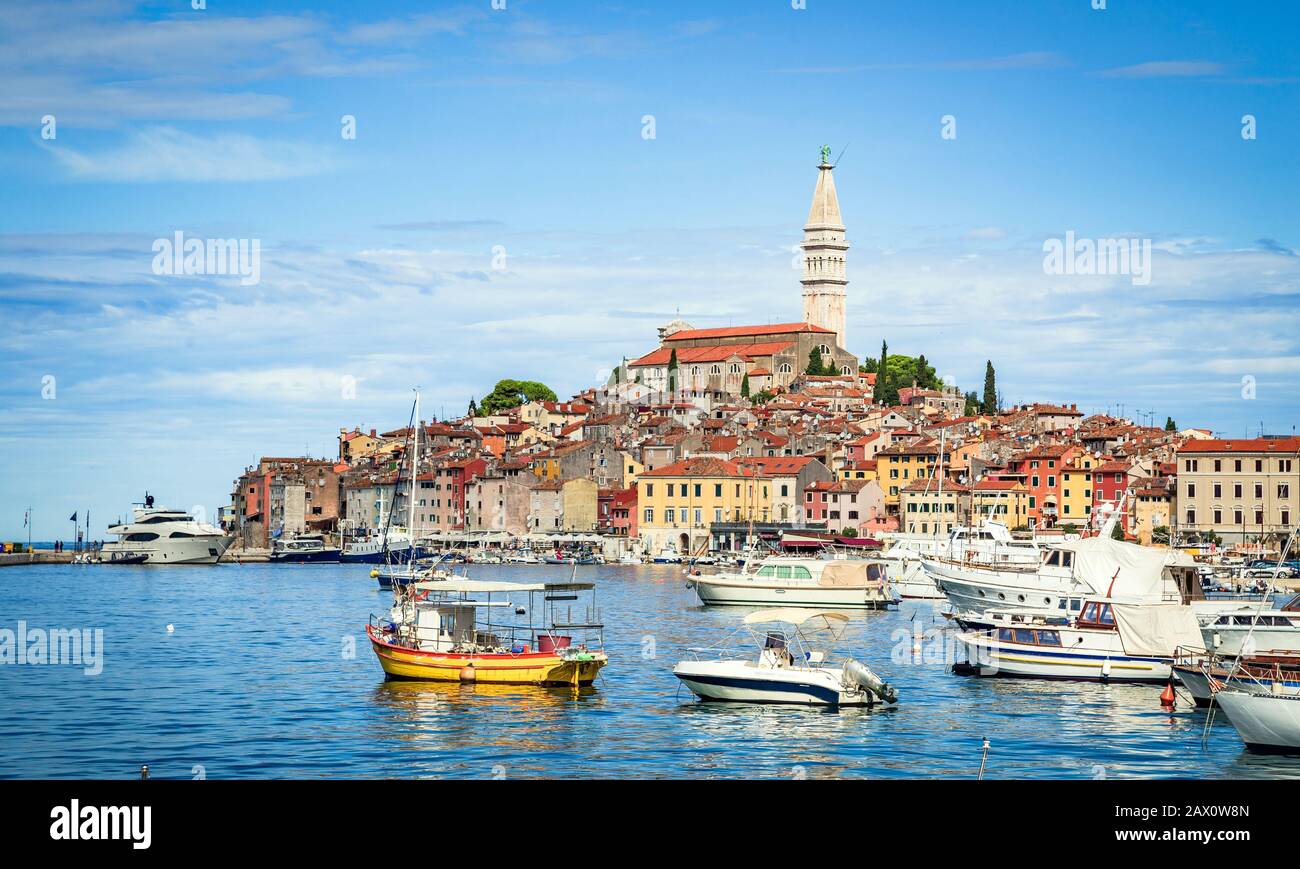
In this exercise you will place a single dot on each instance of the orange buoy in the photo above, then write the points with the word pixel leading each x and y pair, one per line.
pixel 467 673
pixel 1167 695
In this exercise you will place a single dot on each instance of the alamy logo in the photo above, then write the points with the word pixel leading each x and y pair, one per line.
pixel 1102 256
pixel 209 256
pixel 55 647
pixel 76 821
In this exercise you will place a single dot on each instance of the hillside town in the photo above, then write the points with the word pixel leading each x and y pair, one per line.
pixel 720 436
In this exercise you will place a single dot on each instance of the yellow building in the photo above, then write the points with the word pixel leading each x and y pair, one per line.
pixel 1006 501
pixel 1076 493
pixel 677 503
pixel 862 470
pixel 1153 507
pixel 899 465
pixel 631 469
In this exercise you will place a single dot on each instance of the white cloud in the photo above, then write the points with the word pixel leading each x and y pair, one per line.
pixel 168 154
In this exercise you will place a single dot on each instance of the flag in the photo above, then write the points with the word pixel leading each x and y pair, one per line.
pixel 72 518
pixel 26 515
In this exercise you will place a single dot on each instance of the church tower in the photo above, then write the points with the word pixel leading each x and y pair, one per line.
pixel 824 249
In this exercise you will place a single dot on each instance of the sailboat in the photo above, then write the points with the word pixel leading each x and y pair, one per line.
pixel 400 555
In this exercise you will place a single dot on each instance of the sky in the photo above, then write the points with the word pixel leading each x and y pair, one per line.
pixel 531 191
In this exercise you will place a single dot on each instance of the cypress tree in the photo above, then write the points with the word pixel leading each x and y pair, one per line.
pixel 990 404
pixel 744 386
pixel 1170 425
pixel 672 371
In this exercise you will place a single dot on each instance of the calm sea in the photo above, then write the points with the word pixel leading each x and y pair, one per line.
pixel 257 679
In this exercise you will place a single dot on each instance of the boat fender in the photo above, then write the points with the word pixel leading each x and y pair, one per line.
pixel 856 672
pixel 467 673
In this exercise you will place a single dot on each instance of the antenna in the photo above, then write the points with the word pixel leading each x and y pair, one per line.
pixel 842 150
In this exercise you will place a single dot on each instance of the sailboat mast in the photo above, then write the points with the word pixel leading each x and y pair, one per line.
pixel 415 473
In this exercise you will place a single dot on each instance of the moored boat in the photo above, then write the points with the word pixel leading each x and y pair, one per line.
pixel 1264 721
pixel 445 631
pixel 1107 641
pixel 788 670
pixel 304 548
pixel 164 536
pixel 807 582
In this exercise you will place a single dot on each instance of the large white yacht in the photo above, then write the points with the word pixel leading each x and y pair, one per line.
pixel 989 543
pixel 165 536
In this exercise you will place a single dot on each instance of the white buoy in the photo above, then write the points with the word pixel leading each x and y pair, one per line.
pixel 171 629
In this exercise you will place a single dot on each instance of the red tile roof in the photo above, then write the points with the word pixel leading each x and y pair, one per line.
pixel 743 331
pixel 711 353
pixel 1254 445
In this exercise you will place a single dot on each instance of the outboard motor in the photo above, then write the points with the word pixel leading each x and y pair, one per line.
pixel 858 673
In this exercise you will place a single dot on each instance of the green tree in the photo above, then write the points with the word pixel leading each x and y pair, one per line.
pixel 473 408
pixel 1117 533
pixel 990 403
pixel 672 371
pixel 512 393
pixel 1170 425
pixel 1160 534
pixel 744 386
pixel 817 366
pixel 972 404
pixel 762 397
pixel 886 388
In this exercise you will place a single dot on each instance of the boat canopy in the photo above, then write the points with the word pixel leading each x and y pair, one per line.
pixel 849 573
pixel 792 616
pixel 479 586
pixel 1157 629
pixel 1135 571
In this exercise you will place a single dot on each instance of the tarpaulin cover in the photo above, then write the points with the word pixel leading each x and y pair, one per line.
pixel 1156 630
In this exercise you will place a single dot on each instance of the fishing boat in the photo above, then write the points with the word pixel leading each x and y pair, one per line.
pixel 788 669
pixel 1264 721
pixel 809 582
pixel 304 548
pixel 464 630
pixel 1108 641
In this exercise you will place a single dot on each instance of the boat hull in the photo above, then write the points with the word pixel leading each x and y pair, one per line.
pixel 714 592
pixel 972 589
pixel 536 668
pixel 1267 722
pixel 986 657
pixel 724 681
pixel 317 556
pixel 913 583
pixel 190 550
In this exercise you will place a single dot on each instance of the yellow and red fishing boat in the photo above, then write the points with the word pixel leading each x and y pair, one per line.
pixel 437 632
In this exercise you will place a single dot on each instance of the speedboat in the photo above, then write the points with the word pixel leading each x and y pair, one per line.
pixel 1264 721
pixel 811 582
pixel 164 536
pixel 1108 641
pixel 788 670
pixel 460 630
pixel 304 548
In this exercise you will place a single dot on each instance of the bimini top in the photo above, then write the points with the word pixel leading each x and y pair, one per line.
pixel 792 615
pixel 482 586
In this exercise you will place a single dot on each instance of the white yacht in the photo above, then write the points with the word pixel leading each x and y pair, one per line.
pixel 1068 571
pixel 989 543
pixel 811 582
pixel 1251 630
pixel 1265 721
pixel 165 536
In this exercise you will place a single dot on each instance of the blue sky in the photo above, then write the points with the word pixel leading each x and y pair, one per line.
pixel 520 130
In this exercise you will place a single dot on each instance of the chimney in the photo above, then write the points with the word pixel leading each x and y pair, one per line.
pixel 372 432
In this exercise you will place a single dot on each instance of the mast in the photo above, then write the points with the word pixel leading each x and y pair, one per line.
pixel 415 474
pixel 939 466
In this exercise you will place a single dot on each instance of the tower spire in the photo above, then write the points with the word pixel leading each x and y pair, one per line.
pixel 824 248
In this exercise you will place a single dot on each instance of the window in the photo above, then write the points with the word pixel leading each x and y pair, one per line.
pixel 649 491
pixel 717 490
pixel 1191 517
pixel 649 515
pixel 698 487
pixel 1191 490
pixel 670 516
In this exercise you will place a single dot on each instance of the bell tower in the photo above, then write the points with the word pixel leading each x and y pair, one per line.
pixel 824 248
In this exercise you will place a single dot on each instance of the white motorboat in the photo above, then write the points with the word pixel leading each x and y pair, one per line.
pixel 304 548
pixel 1068 572
pixel 1253 631
pixel 1264 721
pixel 787 669
pixel 811 582
pixel 165 536
pixel 629 558
pixel 1109 641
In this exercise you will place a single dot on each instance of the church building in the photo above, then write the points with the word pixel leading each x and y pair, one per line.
pixel 774 354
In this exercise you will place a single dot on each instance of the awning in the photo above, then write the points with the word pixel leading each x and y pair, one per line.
pixel 1157 630
pixel 792 616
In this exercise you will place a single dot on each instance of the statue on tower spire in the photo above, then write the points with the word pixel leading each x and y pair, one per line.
pixel 826 155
